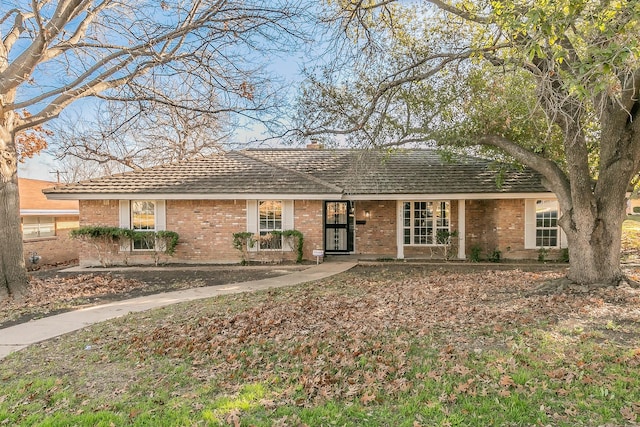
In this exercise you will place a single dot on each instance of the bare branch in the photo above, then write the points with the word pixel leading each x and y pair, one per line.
pixel 461 13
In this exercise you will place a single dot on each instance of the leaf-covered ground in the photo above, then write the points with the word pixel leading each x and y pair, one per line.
pixel 379 345
pixel 55 291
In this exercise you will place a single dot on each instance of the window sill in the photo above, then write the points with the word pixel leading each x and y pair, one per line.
pixel 39 239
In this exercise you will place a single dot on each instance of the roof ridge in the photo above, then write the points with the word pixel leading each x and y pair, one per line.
pixel 301 174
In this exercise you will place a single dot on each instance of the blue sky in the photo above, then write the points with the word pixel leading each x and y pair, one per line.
pixel 44 165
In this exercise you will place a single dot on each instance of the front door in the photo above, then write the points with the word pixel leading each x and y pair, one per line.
pixel 338 227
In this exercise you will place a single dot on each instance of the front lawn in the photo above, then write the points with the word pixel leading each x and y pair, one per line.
pixel 631 239
pixel 393 345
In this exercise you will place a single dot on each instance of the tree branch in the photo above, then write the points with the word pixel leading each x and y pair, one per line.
pixel 556 178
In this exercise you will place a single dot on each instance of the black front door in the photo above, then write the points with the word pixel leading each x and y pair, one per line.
pixel 338 227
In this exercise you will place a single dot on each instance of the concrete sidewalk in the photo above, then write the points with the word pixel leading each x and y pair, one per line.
pixel 20 336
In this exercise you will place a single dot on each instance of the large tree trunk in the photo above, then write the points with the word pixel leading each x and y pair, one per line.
pixel 594 250
pixel 13 273
pixel 593 223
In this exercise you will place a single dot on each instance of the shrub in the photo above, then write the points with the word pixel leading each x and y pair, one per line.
pixel 298 244
pixel 242 241
pixel 476 253
pixel 449 242
pixel 542 254
pixel 495 255
pixel 104 239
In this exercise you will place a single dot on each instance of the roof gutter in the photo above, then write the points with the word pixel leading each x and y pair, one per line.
pixel 281 196
pixel 191 196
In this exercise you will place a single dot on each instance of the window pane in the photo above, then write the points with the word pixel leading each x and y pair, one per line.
pixel 47 229
pixel 30 227
pixel 270 219
pixel 143 215
pixel 270 241
pixel 143 218
pixel 38 226
pixel 547 223
pixel 336 239
pixel 423 221
pixel 144 242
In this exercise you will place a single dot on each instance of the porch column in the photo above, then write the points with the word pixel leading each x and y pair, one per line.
pixel 399 230
pixel 461 229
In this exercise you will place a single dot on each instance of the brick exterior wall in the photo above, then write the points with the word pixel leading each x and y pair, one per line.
pixel 309 220
pixel 206 230
pixel 378 235
pixel 55 250
pixel 497 224
pixel 103 213
pixel 60 249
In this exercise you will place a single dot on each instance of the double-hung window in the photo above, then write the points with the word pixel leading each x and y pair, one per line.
pixel 547 231
pixel 143 220
pixel 38 226
pixel 270 220
pixel 426 222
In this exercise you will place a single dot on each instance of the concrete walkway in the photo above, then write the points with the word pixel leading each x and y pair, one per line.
pixel 20 336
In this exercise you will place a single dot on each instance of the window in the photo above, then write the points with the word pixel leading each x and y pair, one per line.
pixel 270 219
pixel 38 226
pixel 547 224
pixel 143 218
pixel 426 223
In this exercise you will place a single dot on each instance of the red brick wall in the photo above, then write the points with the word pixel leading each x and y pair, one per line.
pixel 378 235
pixel 103 213
pixel 309 220
pixel 497 224
pixel 55 250
pixel 206 229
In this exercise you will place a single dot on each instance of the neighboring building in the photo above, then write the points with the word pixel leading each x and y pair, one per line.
pixel 405 204
pixel 46 224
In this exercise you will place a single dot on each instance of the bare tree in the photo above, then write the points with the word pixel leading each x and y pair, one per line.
pixel 133 136
pixel 192 55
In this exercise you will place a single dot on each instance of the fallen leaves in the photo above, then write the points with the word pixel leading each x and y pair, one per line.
pixel 323 340
pixel 51 294
pixel 444 341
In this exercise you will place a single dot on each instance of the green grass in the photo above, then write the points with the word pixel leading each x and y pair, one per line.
pixel 631 238
pixel 635 218
pixel 385 346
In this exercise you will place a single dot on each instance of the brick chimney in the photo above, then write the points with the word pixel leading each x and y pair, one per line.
pixel 315 145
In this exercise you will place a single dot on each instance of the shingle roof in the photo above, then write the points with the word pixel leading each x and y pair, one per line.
pixel 303 171
pixel 403 171
pixel 232 172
